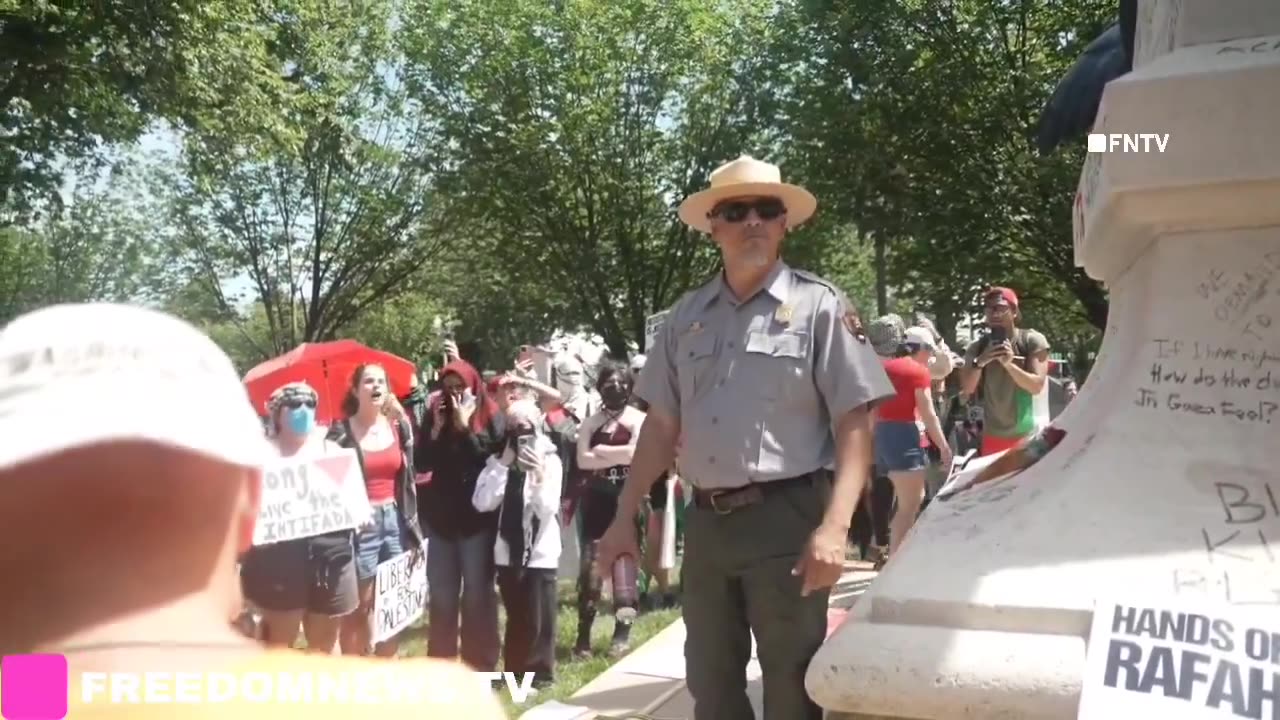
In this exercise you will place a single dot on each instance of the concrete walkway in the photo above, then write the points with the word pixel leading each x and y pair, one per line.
pixel 650 680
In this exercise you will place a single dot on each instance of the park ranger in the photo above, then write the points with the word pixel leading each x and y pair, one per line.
pixel 766 372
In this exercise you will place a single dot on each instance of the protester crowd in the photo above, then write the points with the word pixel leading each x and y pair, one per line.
pixel 491 477
pixel 493 473
pixel 923 427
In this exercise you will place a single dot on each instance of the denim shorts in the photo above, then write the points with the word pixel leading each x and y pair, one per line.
pixel 897 447
pixel 379 542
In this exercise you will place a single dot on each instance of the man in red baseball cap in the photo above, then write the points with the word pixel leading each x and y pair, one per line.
pixel 1011 365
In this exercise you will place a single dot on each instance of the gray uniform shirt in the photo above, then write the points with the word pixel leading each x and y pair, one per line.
pixel 758 385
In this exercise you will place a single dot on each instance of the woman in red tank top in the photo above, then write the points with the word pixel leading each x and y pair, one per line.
pixel 375 427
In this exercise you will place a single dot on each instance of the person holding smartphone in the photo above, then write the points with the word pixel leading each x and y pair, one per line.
pixel 522 482
pixel 463 426
pixel 1010 365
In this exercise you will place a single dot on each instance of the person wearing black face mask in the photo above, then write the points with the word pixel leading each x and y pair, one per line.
pixel 606 443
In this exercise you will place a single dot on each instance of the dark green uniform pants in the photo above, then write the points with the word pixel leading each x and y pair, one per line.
pixel 737 580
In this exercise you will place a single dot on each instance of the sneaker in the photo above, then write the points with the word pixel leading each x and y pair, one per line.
pixel 670 601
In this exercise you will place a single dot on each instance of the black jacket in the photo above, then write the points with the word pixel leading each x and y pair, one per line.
pixel 406 491
pixel 455 460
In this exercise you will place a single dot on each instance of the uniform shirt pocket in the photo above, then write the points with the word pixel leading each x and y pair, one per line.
pixel 778 362
pixel 695 363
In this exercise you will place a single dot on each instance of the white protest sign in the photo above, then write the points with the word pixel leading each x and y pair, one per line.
pixel 652 325
pixel 400 594
pixel 309 496
pixel 1176 661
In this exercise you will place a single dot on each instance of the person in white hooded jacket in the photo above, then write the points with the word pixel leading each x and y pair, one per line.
pixel 523 483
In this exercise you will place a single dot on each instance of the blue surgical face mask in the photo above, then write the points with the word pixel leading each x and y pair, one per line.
pixel 301 420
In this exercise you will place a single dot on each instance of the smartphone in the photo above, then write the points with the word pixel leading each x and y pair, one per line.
pixel 996 335
pixel 525 442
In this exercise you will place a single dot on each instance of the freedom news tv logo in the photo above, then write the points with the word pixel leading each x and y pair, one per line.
pixel 38 687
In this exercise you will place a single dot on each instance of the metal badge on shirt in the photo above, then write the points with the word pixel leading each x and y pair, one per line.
pixel 783 314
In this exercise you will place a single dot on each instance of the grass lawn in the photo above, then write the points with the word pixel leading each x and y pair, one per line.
pixel 571 673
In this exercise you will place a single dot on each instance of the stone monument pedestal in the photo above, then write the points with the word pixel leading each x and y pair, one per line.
pixel 1165 481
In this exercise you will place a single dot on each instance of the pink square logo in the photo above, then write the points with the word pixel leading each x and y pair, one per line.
pixel 33 687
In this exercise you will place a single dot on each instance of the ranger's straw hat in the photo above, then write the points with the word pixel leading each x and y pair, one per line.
pixel 746 177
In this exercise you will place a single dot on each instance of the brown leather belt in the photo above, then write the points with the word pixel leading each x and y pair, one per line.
pixel 728 500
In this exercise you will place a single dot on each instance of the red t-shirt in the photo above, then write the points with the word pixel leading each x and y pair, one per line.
pixel 907 376
pixel 381 468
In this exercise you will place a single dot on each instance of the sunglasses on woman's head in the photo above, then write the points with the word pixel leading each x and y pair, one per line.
pixel 299 402
pixel 737 210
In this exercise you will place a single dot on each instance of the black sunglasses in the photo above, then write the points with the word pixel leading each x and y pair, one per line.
pixel 737 210
pixel 295 404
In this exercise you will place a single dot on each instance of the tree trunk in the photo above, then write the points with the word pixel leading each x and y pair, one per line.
pixel 882 272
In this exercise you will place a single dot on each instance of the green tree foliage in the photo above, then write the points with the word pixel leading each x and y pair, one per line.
pixel 498 297
pixel 513 168
pixel 572 128
pixel 98 250
pixel 935 101
pixel 77 75
pixel 319 232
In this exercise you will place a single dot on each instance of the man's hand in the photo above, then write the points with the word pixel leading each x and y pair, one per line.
pixel 619 540
pixel 1004 353
pixel 822 561
pixel 995 353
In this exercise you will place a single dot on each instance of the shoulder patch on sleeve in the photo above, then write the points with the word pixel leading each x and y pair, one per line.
pixel 853 323
pixel 849 315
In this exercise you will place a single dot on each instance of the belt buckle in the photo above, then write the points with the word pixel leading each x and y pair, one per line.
pixel 715 506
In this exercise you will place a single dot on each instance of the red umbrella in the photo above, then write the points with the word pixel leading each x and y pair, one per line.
pixel 327 367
